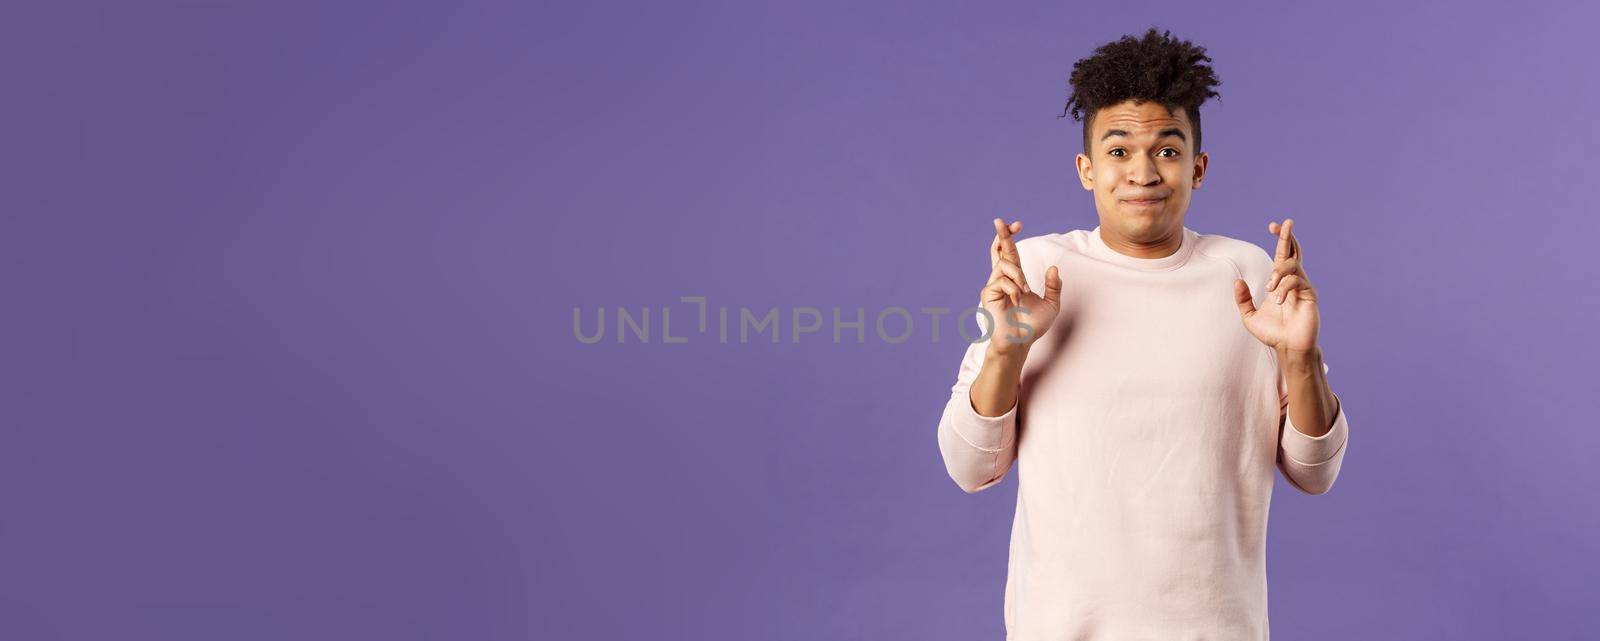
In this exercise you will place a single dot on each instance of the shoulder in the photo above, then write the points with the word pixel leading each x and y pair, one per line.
pixel 1050 247
pixel 1042 244
pixel 1249 260
pixel 1040 252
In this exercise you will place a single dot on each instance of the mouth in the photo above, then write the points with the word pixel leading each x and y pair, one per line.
pixel 1144 202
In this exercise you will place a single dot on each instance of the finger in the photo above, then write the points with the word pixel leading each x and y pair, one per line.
pixel 995 292
pixel 1283 250
pixel 1241 296
pixel 1011 289
pixel 1002 231
pixel 1294 243
pixel 1014 272
pixel 1052 286
pixel 1004 247
pixel 1283 268
pixel 1002 243
pixel 995 245
pixel 1288 286
pixel 1002 285
pixel 1008 243
pixel 1285 285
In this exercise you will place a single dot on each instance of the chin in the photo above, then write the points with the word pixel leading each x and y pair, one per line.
pixel 1145 219
pixel 1144 225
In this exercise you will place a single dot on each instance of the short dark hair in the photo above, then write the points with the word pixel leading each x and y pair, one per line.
pixel 1154 67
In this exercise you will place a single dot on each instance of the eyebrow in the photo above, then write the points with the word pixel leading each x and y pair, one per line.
pixel 1169 131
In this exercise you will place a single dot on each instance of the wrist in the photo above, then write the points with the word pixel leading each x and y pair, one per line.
pixel 1007 354
pixel 1301 360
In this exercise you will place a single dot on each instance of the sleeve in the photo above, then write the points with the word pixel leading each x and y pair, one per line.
pixel 978 450
pixel 1310 463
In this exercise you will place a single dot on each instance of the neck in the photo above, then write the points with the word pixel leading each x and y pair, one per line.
pixel 1162 247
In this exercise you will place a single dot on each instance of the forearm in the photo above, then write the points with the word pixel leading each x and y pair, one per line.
pixel 1312 405
pixel 977 433
pixel 994 392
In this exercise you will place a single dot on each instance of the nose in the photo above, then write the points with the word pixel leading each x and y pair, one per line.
pixel 1142 171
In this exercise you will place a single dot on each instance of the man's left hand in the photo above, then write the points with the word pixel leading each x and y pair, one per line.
pixel 1288 320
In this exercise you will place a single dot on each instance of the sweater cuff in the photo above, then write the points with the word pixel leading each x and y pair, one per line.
pixel 1315 450
pixel 987 433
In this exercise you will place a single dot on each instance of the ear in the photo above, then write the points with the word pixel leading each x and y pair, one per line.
pixel 1200 168
pixel 1085 172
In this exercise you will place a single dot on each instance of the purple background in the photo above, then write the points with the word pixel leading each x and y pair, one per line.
pixel 289 350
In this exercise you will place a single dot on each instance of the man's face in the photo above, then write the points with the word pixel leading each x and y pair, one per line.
pixel 1141 167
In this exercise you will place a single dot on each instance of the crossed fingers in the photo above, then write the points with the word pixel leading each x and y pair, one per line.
pixel 1288 263
pixel 1006 262
pixel 1004 246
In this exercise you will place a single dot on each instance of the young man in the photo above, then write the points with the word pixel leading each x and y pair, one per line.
pixel 1145 378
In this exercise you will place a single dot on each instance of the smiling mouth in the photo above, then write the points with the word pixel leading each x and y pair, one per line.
pixel 1145 202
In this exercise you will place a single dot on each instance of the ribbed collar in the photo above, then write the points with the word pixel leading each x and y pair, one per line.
pixel 1165 263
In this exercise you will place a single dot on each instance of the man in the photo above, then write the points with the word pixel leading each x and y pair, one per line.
pixel 1146 380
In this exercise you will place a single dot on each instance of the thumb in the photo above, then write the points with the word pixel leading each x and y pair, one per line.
pixel 1241 296
pixel 1052 286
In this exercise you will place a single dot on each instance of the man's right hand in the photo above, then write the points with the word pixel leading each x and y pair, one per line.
pixel 1008 288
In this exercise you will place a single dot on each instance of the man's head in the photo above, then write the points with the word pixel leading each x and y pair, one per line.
pixel 1139 99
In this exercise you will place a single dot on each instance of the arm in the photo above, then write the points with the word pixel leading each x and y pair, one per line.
pixel 1313 430
pixel 1309 457
pixel 978 431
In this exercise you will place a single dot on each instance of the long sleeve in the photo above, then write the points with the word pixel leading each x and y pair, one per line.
pixel 978 450
pixel 1310 464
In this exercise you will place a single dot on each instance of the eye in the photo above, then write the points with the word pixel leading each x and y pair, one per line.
pixel 1116 152
pixel 1174 152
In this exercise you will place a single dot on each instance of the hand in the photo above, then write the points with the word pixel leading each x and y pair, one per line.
pixel 1008 288
pixel 1288 321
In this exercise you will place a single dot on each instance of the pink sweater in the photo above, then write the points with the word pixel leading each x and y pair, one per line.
pixel 1148 425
